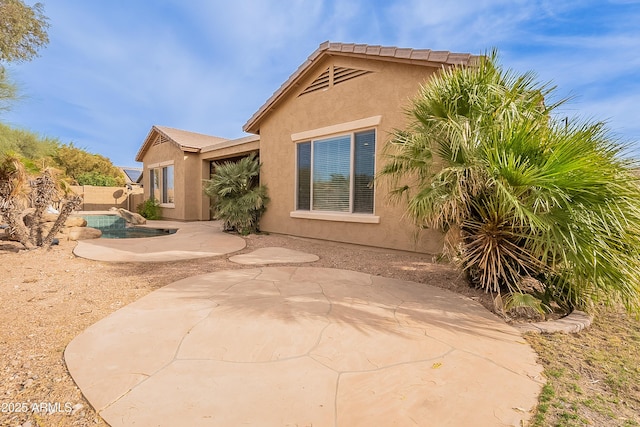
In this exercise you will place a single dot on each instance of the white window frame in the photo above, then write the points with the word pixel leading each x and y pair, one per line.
pixel 311 136
pixel 160 167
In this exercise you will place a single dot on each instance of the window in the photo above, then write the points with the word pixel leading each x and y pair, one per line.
pixel 336 174
pixel 167 185
pixel 161 184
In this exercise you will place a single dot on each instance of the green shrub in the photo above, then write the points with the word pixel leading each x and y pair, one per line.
pixel 237 199
pixel 97 179
pixel 150 209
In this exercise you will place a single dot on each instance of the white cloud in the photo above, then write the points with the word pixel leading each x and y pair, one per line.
pixel 111 72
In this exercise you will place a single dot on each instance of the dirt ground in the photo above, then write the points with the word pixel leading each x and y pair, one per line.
pixel 49 297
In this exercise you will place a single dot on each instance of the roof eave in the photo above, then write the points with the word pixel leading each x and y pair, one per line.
pixel 145 145
pixel 423 57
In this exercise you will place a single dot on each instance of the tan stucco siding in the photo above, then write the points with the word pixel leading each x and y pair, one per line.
pixel 162 155
pixel 193 192
pixel 385 92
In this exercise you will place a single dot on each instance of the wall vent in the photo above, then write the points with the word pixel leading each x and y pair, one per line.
pixel 333 76
pixel 160 139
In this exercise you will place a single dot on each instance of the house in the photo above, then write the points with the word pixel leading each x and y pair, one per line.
pixel 320 138
pixel 177 161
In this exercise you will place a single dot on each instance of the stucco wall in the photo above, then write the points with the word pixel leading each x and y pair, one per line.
pixel 161 154
pixel 103 198
pixel 385 92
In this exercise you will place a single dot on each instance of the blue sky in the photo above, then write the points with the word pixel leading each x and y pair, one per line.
pixel 115 68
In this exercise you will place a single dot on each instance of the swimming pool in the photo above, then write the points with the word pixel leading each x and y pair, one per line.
pixel 115 227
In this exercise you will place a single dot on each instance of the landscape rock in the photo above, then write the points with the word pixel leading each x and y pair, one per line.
pixel 72 221
pixel 83 233
pixel 132 218
pixel 75 221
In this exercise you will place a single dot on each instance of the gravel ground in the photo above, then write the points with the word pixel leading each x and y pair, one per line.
pixel 49 297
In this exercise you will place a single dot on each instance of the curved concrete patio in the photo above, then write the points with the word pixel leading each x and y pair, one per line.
pixel 192 240
pixel 305 346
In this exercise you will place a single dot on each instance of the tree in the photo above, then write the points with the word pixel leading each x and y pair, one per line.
pixel 8 91
pixel 519 195
pixel 237 198
pixel 23 30
pixel 81 165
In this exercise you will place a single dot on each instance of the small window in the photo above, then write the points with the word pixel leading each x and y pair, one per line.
pixel 162 184
pixel 336 174
pixel 167 185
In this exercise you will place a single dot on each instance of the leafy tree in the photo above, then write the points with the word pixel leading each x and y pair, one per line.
pixel 8 91
pixel 80 164
pixel 237 198
pixel 518 194
pixel 97 179
pixel 23 30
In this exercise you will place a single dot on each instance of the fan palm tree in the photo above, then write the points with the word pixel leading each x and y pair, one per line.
pixel 517 194
pixel 237 198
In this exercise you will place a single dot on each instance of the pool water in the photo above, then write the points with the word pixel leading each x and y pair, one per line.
pixel 115 227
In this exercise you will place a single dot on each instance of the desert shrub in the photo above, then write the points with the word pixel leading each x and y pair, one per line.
pixel 150 209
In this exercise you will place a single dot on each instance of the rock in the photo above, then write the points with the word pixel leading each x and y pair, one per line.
pixel 72 221
pixel 132 218
pixel 83 233
pixel 75 221
pixel 77 407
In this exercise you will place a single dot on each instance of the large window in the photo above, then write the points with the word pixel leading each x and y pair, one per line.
pixel 161 184
pixel 336 174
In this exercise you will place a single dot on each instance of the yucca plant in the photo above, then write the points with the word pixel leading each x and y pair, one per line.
pixel 24 200
pixel 236 197
pixel 518 194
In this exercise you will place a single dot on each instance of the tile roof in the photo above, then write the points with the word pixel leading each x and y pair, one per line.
pixel 189 140
pixel 185 140
pixel 425 57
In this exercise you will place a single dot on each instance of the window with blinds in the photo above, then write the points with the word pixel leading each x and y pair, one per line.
pixel 336 174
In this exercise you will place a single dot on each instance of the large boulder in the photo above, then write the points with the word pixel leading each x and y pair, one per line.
pixel 72 221
pixel 132 218
pixel 75 221
pixel 83 233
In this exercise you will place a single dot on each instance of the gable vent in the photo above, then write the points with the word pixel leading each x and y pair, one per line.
pixel 342 74
pixel 333 76
pixel 322 82
pixel 160 139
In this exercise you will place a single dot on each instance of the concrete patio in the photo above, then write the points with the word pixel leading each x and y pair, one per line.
pixel 304 346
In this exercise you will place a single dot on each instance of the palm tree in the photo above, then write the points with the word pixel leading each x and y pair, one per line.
pixel 237 198
pixel 517 194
